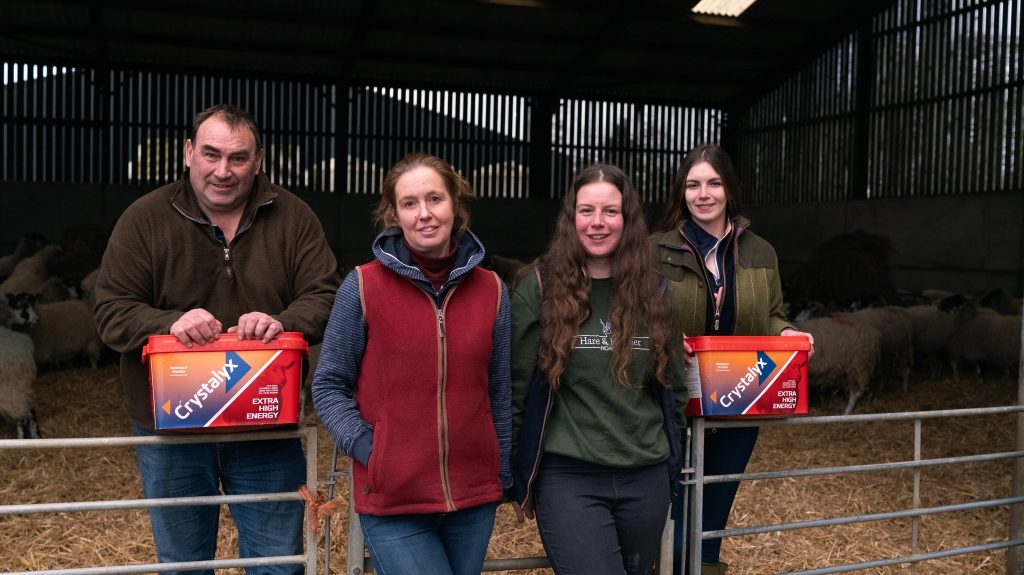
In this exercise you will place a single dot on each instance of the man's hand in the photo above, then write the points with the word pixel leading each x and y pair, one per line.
pixel 196 326
pixel 257 325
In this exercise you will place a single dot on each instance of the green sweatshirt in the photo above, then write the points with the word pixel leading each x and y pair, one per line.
pixel 594 419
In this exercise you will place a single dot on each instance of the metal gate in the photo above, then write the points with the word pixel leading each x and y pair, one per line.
pixel 308 559
pixel 695 480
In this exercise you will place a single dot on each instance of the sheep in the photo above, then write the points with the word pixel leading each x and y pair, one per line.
pixel 60 331
pixel 932 328
pixel 82 247
pixel 935 295
pixel 31 273
pixel 984 337
pixel 844 351
pixel 17 376
pixel 897 331
pixel 27 245
pixel 59 289
pixel 1002 302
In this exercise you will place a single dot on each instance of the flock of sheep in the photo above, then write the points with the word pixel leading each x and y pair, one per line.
pixel 46 320
pixel 931 330
pixel 885 343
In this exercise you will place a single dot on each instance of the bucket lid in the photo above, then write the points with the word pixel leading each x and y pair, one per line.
pixel 227 342
pixel 749 343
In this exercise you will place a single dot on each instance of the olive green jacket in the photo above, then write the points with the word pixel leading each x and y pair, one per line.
pixel 757 284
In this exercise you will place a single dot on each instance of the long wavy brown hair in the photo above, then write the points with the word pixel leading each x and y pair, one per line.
pixel 636 303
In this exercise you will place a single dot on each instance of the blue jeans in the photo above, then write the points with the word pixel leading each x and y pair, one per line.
pixel 726 451
pixel 203 469
pixel 598 520
pixel 431 543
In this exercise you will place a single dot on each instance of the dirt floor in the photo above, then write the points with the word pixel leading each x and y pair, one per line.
pixel 86 403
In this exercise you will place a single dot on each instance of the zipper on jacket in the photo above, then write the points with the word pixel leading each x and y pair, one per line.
pixel 716 304
pixel 442 399
pixel 227 262
pixel 710 281
pixel 535 468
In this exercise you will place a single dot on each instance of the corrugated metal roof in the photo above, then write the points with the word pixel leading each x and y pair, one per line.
pixel 640 50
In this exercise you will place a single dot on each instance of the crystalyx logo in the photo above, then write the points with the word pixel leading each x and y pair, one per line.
pixel 233 371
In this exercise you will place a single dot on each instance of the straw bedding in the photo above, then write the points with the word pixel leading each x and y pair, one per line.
pixel 86 403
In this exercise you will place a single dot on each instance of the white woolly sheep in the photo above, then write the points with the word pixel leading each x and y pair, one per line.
pixel 31 273
pixel 935 295
pixel 17 376
pixel 59 289
pixel 897 331
pixel 60 331
pixel 984 337
pixel 1000 301
pixel 845 351
pixel 933 328
pixel 27 245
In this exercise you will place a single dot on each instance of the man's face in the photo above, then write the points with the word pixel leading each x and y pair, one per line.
pixel 223 162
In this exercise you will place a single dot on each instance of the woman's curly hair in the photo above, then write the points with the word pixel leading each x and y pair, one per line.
pixel 636 304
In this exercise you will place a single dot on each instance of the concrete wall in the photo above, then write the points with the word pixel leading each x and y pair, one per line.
pixel 970 243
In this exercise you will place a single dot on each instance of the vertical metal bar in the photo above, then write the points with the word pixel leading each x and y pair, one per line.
pixel 956 107
pixel 904 112
pixel 374 135
pixel 367 121
pixel 491 142
pixel 1015 555
pixel 315 123
pixel 939 63
pixel 696 527
pixel 495 103
pixel 311 462
pixel 332 481
pixel 932 86
pixel 971 137
pixel 1006 79
pixel 355 558
pixel 988 132
pixel 915 524
pixel 461 135
pixel 356 118
pixel 1018 81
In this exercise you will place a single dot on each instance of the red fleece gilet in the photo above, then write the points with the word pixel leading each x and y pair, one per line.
pixel 423 386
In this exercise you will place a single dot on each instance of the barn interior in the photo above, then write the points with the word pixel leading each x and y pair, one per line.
pixel 880 144
pixel 895 125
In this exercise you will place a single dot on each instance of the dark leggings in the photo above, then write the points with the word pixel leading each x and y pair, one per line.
pixel 597 520
pixel 726 451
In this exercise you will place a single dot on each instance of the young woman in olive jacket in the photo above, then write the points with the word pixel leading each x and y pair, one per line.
pixel 724 280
